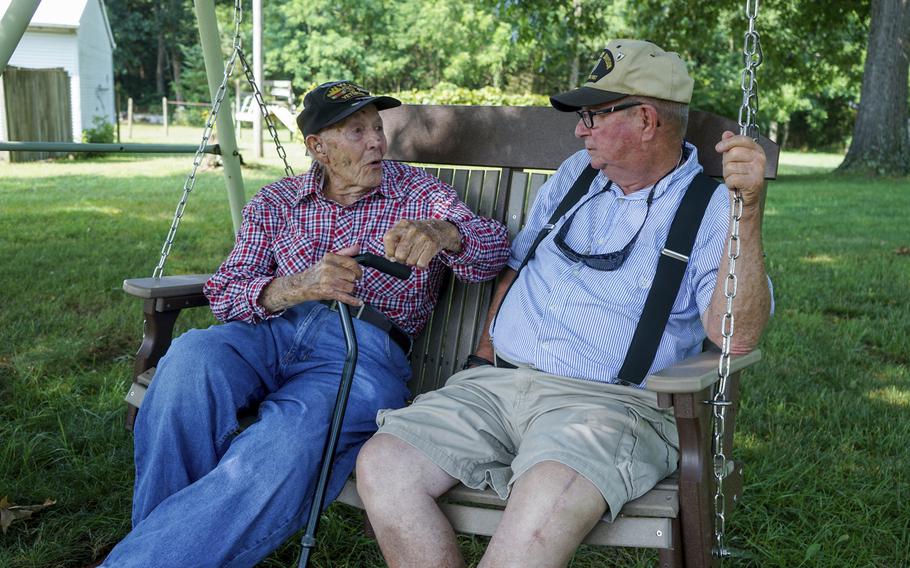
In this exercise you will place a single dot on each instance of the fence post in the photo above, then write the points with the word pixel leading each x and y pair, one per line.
pixel 129 117
pixel 164 113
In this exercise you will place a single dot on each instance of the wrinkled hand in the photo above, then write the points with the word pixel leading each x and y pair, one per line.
pixel 416 242
pixel 744 166
pixel 333 277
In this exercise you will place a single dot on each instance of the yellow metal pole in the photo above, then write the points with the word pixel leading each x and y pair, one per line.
pixel 214 71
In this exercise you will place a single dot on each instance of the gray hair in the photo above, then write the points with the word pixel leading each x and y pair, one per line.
pixel 674 115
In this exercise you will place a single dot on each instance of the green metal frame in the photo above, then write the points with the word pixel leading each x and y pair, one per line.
pixel 214 71
pixel 112 148
pixel 12 28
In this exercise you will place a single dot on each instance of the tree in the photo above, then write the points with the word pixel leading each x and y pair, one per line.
pixel 881 141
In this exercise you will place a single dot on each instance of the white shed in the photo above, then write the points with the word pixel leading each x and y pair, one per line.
pixel 73 35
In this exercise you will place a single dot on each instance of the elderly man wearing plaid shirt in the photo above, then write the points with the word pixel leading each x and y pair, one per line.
pixel 208 496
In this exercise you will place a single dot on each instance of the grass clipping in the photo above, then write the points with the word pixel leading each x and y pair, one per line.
pixel 10 513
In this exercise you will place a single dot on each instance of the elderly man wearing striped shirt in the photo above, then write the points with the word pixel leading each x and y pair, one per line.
pixel 208 496
pixel 553 411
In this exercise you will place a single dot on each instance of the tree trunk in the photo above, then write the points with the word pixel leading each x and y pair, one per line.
pixel 573 73
pixel 175 67
pixel 881 142
pixel 159 65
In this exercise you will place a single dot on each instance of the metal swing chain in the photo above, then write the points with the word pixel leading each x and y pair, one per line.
pixel 264 111
pixel 190 183
pixel 748 112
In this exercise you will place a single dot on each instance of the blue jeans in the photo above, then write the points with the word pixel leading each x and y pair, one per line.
pixel 207 496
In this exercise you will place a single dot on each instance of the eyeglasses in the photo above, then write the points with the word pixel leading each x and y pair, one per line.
pixel 606 262
pixel 587 116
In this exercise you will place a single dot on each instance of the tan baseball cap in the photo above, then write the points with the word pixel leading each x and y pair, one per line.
pixel 630 67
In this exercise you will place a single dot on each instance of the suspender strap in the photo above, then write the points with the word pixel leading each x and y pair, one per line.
pixel 674 259
pixel 578 189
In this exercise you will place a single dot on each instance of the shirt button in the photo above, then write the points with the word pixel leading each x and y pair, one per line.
pixel 644 282
pixel 601 241
pixel 553 308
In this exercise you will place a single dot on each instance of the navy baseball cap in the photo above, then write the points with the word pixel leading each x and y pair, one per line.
pixel 332 102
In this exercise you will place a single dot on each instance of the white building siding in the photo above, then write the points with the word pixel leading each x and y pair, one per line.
pixel 96 65
pixel 49 50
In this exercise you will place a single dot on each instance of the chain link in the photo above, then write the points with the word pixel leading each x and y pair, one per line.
pixel 190 183
pixel 748 116
pixel 264 111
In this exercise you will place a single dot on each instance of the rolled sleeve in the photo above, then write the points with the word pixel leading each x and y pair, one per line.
pixel 484 241
pixel 233 291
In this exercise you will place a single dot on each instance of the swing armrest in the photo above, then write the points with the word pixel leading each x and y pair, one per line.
pixel 166 286
pixel 696 373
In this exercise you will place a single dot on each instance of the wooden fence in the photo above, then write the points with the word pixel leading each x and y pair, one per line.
pixel 38 109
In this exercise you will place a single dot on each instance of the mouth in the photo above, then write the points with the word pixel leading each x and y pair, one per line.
pixel 374 163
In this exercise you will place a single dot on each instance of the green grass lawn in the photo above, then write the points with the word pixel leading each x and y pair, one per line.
pixel 823 427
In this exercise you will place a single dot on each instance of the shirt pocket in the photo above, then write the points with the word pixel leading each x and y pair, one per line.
pixel 294 252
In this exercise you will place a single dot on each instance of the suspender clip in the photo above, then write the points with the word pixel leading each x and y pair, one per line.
pixel 675 255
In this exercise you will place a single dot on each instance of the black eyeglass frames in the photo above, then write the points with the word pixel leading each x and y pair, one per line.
pixel 587 116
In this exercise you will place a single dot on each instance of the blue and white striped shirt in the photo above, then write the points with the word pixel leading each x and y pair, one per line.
pixel 567 319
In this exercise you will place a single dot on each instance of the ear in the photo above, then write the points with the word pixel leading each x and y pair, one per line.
pixel 315 146
pixel 650 122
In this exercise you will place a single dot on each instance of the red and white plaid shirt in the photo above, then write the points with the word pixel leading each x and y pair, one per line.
pixel 290 225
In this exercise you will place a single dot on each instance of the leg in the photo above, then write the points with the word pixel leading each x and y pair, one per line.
pixel 551 509
pixel 453 434
pixel 399 486
pixel 258 492
pixel 585 449
pixel 190 413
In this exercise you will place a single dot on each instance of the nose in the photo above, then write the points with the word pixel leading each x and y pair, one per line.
pixel 581 130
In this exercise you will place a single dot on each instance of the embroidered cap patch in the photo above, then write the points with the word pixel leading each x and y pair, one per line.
pixel 604 66
pixel 343 92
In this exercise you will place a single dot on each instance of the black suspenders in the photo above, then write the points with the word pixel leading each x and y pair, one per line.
pixel 671 267
pixel 674 259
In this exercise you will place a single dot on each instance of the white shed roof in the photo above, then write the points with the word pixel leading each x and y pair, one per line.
pixel 65 14
pixel 55 13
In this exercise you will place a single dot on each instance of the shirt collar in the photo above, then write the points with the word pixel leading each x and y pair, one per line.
pixel 684 170
pixel 311 183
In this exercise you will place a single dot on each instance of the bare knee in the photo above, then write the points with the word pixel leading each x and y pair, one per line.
pixel 389 470
pixel 379 467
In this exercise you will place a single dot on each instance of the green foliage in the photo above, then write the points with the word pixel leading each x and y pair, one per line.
pixel 101 132
pixel 193 84
pixel 813 59
pixel 809 81
pixel 150 35
pixel 190 115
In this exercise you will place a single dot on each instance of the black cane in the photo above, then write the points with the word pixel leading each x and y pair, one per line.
pixel 341 400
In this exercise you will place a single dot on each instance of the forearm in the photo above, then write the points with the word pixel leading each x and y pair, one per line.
pixel 485 343
pixel 284 292
pixel 752 305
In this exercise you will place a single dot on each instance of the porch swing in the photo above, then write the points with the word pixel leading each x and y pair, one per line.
pixel 485 152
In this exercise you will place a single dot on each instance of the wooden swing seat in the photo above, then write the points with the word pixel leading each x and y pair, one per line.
pixel 497 158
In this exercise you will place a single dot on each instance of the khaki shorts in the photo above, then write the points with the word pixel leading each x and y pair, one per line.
pixel 489 425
